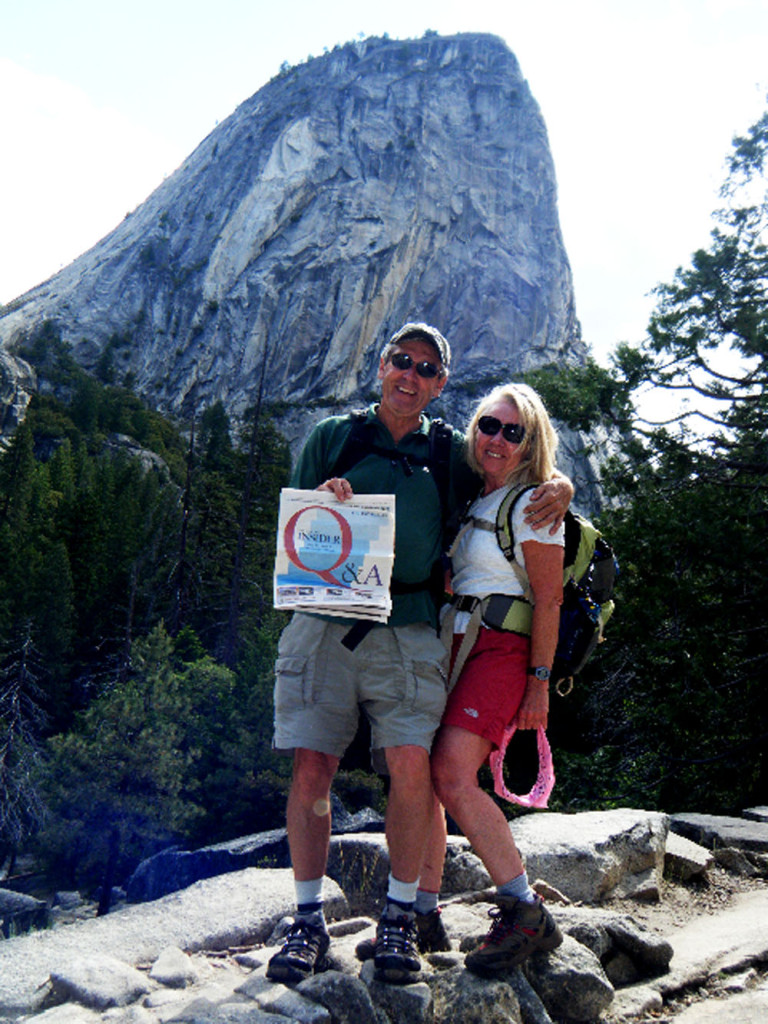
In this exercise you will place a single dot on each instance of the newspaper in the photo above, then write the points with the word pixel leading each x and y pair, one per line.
pixel 335 557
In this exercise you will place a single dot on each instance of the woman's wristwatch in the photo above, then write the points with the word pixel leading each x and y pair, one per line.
pixel 541 672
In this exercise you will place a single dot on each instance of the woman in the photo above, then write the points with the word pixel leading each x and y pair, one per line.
pixel 510 442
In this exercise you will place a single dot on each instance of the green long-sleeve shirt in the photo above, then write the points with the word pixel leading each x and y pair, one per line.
pixel 418 516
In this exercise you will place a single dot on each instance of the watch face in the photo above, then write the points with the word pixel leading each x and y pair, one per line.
pixel 541 673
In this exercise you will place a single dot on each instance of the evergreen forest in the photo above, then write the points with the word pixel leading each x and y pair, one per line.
pixel 137 633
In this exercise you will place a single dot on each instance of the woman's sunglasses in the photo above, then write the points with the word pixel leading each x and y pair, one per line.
pixel 512 432
pixel 402 361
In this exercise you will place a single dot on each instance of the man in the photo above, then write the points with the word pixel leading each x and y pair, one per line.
pixel 327 670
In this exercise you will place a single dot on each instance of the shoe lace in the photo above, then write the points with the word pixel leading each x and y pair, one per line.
pixel 398 934
pixel 301 936
pixel 500 929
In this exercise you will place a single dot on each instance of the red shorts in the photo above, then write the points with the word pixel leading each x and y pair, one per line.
pixel 491 686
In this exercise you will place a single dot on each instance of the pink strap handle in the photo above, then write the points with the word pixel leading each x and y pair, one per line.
pixel 543 785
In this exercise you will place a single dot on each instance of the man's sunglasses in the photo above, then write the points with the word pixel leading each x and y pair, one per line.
pixel 402 361
pixel 512 432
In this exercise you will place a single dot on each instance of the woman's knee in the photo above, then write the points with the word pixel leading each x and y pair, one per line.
pixel 448 778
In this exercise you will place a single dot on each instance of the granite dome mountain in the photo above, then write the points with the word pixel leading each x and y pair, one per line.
pixel 385 181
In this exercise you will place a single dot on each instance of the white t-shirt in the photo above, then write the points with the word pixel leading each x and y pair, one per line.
pixel 479 565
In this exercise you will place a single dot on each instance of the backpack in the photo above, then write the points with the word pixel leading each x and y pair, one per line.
pixel 590 570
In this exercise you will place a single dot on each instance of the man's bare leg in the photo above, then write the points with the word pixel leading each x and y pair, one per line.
pixel 409 810
pixel 309 812
pixel 409 813
pixel 309 834
pixel 434 856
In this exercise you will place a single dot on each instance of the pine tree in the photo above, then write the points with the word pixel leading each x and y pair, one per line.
pixel 676 707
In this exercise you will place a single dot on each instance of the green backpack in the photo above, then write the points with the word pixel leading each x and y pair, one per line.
pixel 590 569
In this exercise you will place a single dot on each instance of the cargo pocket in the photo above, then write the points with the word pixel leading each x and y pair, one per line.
pixel 292 686
pixel 431 687
pixel 426 675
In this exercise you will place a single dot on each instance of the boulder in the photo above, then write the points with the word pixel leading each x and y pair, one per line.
pixel 597 854
pixel 67 899
pixel 570 981
pixel 738 844
pixel 591 856
pixel 460 996
pixel 713 830
pixel 627 952
pixel 291 1004
pixel 347 997
pixel 756 814
pixel 174 869
pixel 684 859
pixel 98 982
pixel 174 969
pixel 20 913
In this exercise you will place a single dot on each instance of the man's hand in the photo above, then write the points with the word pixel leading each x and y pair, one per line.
pixel 549 503
pixel 339 486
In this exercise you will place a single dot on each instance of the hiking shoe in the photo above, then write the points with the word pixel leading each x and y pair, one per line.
pixel 396 957
pixel 431 937
pixel 518 929
pixel 302 952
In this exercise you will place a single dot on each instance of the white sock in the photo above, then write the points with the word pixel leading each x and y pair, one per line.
pixel 402 893
pixel 309 897
pixel 519 888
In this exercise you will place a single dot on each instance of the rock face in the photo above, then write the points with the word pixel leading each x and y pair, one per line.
pixel 385 181
pixel 17 383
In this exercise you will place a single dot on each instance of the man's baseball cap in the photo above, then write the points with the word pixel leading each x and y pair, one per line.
pixel 415 331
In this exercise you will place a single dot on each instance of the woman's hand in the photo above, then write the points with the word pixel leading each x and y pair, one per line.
pixel 549 503
pixel 534 707
pixel 339 486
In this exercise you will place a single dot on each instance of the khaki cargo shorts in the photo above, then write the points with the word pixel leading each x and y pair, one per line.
pixel 397 675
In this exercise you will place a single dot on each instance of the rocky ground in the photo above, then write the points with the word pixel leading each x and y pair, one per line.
pixel 713 923
pixel 682 903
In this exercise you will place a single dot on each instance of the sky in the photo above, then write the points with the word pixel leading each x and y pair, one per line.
pixel 100 100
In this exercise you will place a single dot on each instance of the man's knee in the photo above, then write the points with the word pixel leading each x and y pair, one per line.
pixel 313 774
pixel 408 767
pixel 439 779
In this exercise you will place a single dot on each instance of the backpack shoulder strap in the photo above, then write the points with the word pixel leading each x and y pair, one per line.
pixel 356 446
pixel 505 534
pixel 440 445
pixel 579 535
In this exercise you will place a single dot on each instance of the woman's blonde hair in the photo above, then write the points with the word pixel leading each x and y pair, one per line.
pixel 538 447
